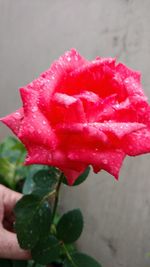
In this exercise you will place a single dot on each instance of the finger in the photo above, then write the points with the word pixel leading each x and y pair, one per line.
pixel 9 247
pixel 9 198
pixel 1 210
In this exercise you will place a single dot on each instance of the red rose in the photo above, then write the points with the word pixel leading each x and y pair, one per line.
pixel 81 113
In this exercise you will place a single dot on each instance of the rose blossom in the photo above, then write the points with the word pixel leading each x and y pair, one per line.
pixel 80 113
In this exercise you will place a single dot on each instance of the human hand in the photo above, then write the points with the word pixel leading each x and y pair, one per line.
pixel 9 247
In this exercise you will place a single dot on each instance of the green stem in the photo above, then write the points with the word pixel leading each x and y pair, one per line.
pixel 53 217
pixel 68 255
pixel 49 195
pixel 57 196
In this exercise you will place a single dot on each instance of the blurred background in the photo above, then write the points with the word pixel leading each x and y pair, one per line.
pixel 32 34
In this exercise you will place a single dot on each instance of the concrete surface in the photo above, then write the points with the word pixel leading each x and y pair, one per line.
pixel 35 32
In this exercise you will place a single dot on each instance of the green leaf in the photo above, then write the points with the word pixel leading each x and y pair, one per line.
pixel 80 179
pixel 9 149
pixel 81 260
pixel 19 146
pixel 33 263
pixel 3 181
pixel 33 219
pixel 29 183
pixel 71 248
pixel 11 160
pixel 44 181
pixel 5 263
pixel 46 251
pixel 7 144
pixel 70 226
pixel 7 170
pixel 19 263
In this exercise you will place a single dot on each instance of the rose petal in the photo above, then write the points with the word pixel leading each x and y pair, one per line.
pixel 38 155
pixel 79 113
pixel 35 129
pixel 57 158
pixel 92 76
pixel 137 143
pixel 30 100
pixel 134 89
pixel 67 63
pixel 66 109
pixel 52 79
pixel 125 72
pixel 110 160
pixel 119 129
pixel 13 121
pixel 92 104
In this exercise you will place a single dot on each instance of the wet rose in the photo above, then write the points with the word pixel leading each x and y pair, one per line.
pixel 80 113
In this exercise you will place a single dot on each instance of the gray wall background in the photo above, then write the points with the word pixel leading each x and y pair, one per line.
pixel 35 32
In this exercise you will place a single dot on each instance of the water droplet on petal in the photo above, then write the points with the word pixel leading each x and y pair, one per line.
pixel 117 106
pixel 105 161
pixel 44 122
pixel 17 113
pixel 34 109
pixel 69 59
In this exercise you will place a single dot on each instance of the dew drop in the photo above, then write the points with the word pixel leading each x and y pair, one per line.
pixel 34 109
pixel 69 59
pixel 126 81
pixel 44 122
pixel 46 205
pixel 105 161
pixel 117 106
pixel 17 113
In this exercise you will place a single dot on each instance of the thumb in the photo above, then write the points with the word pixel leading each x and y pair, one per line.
pixel 9 247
